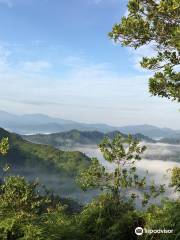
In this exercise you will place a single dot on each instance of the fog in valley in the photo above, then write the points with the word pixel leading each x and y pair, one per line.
pixel 54 183
pixel 155 160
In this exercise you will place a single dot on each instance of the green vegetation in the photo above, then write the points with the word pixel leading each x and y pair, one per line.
pixel 4 146
pixel 27 214
pixel 107 218
pixel 25 154
pixel 165 217
pixel 175 178
pixel 155 23
pixel 123 153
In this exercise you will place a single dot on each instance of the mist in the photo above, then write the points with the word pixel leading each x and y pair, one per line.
pixel 154 162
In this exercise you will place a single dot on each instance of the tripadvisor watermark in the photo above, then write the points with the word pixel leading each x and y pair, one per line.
pixel 139 231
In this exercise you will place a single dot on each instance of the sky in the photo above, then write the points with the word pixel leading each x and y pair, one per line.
pixel 56 58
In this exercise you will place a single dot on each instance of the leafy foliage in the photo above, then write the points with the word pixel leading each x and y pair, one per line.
pixel 109 219
pixel 25 214
pixel 156 23
pixel 175 178
pixel 123 154
pixel 4 146
pixel 166 217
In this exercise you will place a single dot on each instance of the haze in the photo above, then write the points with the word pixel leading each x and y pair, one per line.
pixel 68 68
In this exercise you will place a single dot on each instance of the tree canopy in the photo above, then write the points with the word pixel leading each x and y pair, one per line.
pixel 157 23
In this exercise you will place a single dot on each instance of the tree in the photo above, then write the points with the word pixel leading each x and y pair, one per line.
pixel 108 219
pixel 123 155
pixel 4 146
pixel 154 22
pixel 25 214
pixel 175 178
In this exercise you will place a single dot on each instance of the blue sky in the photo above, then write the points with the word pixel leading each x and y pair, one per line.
pixel 56 59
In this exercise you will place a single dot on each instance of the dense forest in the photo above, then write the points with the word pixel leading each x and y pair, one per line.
pixel 25 154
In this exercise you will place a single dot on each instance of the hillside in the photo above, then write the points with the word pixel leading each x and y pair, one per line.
pixel 25 154
pixel 76 137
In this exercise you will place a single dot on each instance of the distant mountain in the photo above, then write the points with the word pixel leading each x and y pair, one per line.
pixel 76 137
pixel 149 130
pixel 32 123
pixel 40 123
pixel 25 154
pixel 8 118
pixel 69 138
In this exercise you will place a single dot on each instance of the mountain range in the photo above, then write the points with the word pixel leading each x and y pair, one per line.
pixel 40 123
pixel 76 137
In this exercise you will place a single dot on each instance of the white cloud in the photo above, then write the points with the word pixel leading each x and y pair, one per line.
pixel 4 55
pixel 36 66
pixel 126 13
pixel 85 85
pixel 80 89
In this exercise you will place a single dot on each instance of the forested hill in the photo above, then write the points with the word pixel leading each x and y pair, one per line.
pixel 74 137
pixel 25 154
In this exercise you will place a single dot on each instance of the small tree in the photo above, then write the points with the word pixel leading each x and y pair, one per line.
pixel 123 155
pixel 4 146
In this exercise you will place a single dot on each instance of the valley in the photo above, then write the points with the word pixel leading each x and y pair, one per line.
pixel 158 158
pixel 55 159
pixel 53 168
